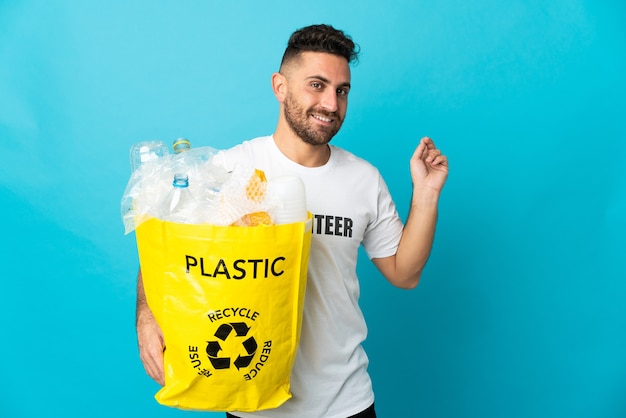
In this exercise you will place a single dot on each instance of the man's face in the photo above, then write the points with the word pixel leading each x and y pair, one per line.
pixel 317 97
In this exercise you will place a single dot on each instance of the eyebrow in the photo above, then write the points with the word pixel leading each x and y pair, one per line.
pixel 327 81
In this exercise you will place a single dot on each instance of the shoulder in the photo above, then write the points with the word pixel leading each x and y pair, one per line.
pixel 349 161
pixel 249 145
pixel 243 152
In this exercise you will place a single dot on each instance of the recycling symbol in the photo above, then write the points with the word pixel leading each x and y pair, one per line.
pixel 224 331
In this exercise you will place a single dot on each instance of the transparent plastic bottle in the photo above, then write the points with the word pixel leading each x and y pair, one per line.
pixel 179 205
pixel 184 159
pixel 145 151
pixel 181 145
pixel 146 186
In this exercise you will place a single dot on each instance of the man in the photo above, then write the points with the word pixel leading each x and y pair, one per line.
pixel 351 207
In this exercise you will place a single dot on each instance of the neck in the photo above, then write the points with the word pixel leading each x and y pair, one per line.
pixel 298 151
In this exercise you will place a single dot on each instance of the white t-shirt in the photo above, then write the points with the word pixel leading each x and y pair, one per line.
pixel 351 206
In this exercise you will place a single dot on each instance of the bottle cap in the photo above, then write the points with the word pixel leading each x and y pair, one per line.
pixel 181 145
pixel 181 180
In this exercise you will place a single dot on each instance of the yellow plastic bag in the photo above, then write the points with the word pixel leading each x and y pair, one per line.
pixel 229 301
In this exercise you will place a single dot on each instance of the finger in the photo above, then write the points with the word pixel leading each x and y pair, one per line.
pixel 158 366
pixel 420 150
pixel 441 160
pixel 152 358
pixel 154 367
pixel 159 375
pixel 432 150
pixel 430 144
pixel 432 154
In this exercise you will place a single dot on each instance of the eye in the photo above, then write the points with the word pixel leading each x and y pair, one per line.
pixel 342 91
pixel 316 85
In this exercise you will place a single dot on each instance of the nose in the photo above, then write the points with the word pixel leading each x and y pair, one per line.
pixel 329 100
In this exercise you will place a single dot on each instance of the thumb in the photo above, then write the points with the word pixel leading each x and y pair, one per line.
pixel 420 150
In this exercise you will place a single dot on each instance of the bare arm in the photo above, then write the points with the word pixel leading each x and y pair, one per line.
pixel 149 336
pixel 429 171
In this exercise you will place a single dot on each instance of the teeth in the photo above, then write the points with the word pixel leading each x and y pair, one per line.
pixel 323 119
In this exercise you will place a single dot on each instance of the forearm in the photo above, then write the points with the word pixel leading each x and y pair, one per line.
pixel 404 269
pixel 417 238
pixel 143 313
pixel 149 336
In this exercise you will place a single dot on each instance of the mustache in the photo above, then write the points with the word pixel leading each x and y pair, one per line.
pixel 323 112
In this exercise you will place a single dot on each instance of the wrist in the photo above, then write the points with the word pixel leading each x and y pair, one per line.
pixel 425 198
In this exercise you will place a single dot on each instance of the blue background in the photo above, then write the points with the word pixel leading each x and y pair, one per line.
pixel 520 312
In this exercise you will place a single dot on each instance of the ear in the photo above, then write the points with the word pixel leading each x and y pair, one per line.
pixel 279 86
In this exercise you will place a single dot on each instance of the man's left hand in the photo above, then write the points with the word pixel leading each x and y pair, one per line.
pixel 429 167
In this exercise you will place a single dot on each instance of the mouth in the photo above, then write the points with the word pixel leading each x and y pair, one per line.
pixel 321 118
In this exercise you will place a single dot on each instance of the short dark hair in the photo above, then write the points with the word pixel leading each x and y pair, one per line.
pixel 320 38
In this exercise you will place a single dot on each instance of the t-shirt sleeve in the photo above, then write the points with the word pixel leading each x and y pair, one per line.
pixel 382 236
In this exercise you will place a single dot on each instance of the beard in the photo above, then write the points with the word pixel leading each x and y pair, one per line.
pixel 298 120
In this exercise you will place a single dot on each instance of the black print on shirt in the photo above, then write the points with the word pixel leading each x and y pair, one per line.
pixel 332 225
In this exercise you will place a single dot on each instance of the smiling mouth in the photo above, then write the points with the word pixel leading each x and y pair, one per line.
pixel 322 118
